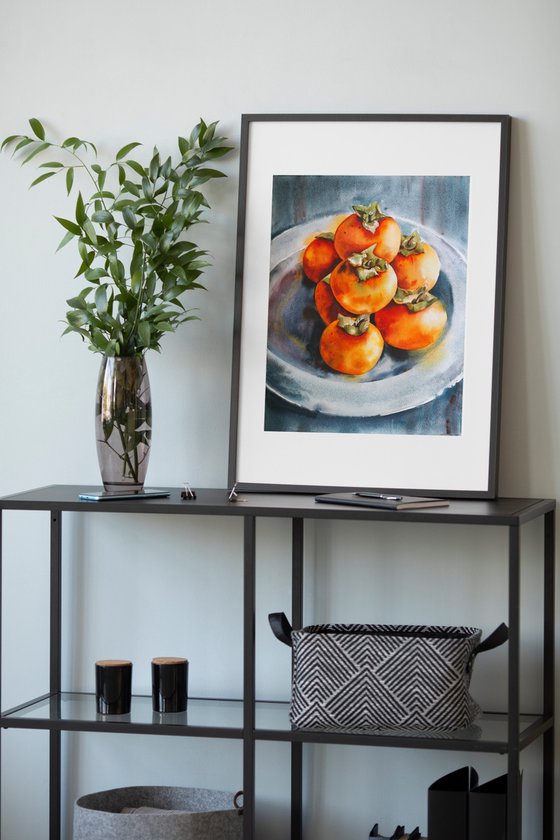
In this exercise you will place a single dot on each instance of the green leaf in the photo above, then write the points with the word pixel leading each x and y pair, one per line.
pixel 184 145
pixel 95 274
pixel 103 194
pixel 136 167
pixel 208 134
pixel 102 217
pixel 116 268
pixel 52 164
pixel 130 187
pixel 82 268
pixel 83 251
pixel 195 133
pixel 89 231
pixel 150 241
pixel 66 239
pixel 42 177
pixel 69 179
pixel 154 166
pixel 7 140
pixel 147 188
pixel 39 148
pixel 71 226
pixel 25 141
pixel 71 142
pixel 101 298
pixel 81 214
pixel 217 152
pixel 144 332
pixel 129 217
pixel 77 318
pixel 77 302
pixel 37 127
pixel 126 149
pixel 166 168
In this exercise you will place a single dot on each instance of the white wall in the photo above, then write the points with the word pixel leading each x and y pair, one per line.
pixel 114 72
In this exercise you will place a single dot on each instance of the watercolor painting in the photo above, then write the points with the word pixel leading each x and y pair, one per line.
pixel 369 303
pixel 366 315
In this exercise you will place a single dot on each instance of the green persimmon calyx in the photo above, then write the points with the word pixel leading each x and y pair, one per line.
pixel 354 326
pixel 369 214
pixel 411 244
pixel 416 300
pixel 326 235
pixel 367 264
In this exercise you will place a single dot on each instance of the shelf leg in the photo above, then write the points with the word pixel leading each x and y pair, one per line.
pixel 55 670
pixel 297 621
pixel 548 673
pixel 1 705
pixel 514 782
pixel 249 578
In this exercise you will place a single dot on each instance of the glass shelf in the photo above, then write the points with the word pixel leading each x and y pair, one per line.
pixel 224 719
pixel 77 711
pixel 489 733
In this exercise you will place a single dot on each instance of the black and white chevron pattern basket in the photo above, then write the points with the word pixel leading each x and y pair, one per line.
pixel 372 676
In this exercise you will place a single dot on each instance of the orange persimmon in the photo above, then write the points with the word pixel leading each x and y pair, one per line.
pixel 365 227
pixel 413 324
pixel 327 305
pixel 417 263
pixel 364 282
pixel 351 345
pixel 320 257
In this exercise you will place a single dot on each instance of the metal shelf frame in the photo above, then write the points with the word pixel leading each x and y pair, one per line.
pixel 509 513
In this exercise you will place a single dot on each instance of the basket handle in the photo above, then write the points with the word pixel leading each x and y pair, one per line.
pixel 238 802
pixel 494 640
pixel 281 627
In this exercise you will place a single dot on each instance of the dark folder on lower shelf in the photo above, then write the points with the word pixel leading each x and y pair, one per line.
pixel 448 805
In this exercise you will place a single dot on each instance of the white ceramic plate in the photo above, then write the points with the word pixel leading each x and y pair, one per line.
pixel 401 379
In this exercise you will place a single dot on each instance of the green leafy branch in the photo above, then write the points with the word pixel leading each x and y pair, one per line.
pixel 130 234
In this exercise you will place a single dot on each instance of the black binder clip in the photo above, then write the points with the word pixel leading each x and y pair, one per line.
pixel 187 492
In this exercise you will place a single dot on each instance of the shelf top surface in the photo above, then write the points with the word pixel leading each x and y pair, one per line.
pixel 271 720
pixel 58 497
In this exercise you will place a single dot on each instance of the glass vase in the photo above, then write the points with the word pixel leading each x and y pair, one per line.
pixel 123 423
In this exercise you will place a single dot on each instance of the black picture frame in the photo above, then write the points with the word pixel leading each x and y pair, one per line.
pixel 426 420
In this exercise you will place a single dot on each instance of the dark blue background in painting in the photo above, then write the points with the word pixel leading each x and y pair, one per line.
pixel 438 202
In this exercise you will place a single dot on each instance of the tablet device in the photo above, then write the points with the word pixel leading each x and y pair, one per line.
pixel 98 495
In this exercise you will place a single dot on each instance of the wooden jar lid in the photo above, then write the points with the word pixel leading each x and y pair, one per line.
pixel 169 660
pixel 113 663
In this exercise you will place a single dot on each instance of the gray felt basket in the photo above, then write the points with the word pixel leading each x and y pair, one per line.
pixel 191 814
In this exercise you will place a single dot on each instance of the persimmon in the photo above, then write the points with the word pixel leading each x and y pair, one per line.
pixel 412 321
pixel 327 305
pixel 363 283
pixel 320 257
pixel 417 263
pixel 365 227
pixel 351 345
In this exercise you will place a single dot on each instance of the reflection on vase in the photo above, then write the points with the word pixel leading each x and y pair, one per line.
pixel 123 422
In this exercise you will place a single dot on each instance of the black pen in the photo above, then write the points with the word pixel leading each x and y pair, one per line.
pixel 367 495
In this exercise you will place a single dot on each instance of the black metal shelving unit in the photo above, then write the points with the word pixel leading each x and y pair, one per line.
pixel 250 721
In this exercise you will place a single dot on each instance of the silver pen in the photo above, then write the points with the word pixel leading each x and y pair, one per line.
pixel 368 495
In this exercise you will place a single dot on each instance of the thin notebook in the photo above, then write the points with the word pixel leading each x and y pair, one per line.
pixel 381 500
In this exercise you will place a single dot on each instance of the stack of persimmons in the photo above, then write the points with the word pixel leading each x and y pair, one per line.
pixel 373 287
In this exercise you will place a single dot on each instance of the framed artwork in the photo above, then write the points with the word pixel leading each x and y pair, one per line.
pixel 369 303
